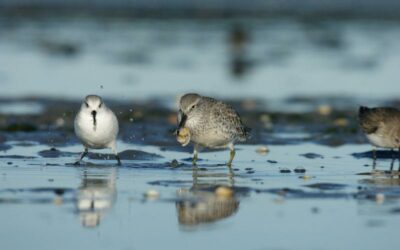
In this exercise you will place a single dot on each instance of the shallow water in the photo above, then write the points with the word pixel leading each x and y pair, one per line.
pixel 101 206
pixel 297 85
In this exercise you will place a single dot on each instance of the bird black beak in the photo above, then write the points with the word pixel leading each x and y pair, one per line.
pixel 94 113
pixel 181 120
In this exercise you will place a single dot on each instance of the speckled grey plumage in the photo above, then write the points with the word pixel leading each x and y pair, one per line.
pixel 212 123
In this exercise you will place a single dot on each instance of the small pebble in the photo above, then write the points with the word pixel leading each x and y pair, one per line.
pixel 341 122
pixel 263 150
pixel 266 121
pixel 58 200
pixel 174 163
pixel 224 192
pixel 248 168
pixel 324 109
pixel 60 122
pixel 51 180
pixel 299 170
pixel 152 194
pixel 379 198
pixel 9 163
pixel 285 170
pixel 271 161
pixel 306 177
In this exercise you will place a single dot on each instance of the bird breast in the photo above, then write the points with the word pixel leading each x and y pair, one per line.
pixel 379 140
pixel 98 135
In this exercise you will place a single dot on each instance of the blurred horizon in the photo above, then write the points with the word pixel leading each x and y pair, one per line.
pixel 209 8
pixel 264 50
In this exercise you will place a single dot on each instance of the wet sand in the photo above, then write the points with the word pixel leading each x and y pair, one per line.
pixel 314 180
pixel 305 180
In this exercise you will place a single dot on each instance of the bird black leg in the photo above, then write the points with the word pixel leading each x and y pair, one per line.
pixel 373 159
pixel 83 154
pixel 398 156
pixel 374 154
pixel 393 159
pixel 118 160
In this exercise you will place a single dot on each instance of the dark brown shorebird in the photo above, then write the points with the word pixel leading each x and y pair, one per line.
pixel 381 126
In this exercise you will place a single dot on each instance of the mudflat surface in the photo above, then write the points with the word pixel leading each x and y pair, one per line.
pixel 305 180
pixel 292 186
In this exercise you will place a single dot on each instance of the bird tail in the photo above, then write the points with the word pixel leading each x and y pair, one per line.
pixel 246 134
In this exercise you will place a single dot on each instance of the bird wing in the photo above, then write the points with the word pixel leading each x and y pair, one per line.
pixel 378 118
pixel 232 123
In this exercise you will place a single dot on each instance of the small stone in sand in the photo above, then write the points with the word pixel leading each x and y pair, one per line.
pixel 341 122
pixel 299 170
pixel 174 163
pixel 324 110
pixel 285 170
pixel 263 150
pixel 152 194
pixel 58 200
pixel 379 198
pixel 306 177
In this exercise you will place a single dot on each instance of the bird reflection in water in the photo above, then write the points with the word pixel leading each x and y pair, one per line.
pixel 96 195
pixel 205 202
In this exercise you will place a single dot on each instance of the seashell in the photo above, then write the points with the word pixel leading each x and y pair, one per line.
pixel 183 136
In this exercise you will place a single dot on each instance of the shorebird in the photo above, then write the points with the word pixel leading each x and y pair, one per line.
pixel 209 123
pixel 381 126
pixel 96 126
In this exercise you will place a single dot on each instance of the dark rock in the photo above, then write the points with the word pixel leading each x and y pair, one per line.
pixel 299 170
pixel 326 186
pixel 285 170
pixel 312 156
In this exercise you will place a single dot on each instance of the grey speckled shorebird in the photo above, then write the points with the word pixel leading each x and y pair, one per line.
pixel 211 123
pixel 381 126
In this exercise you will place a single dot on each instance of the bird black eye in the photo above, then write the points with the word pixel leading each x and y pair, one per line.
pixel 193 106
pixel 100 105
pixel 87 105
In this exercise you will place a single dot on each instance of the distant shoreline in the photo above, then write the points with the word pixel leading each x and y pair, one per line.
pixel 386 9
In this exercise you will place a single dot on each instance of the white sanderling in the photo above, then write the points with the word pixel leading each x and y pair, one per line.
pixel 381 126
pixel 96 126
